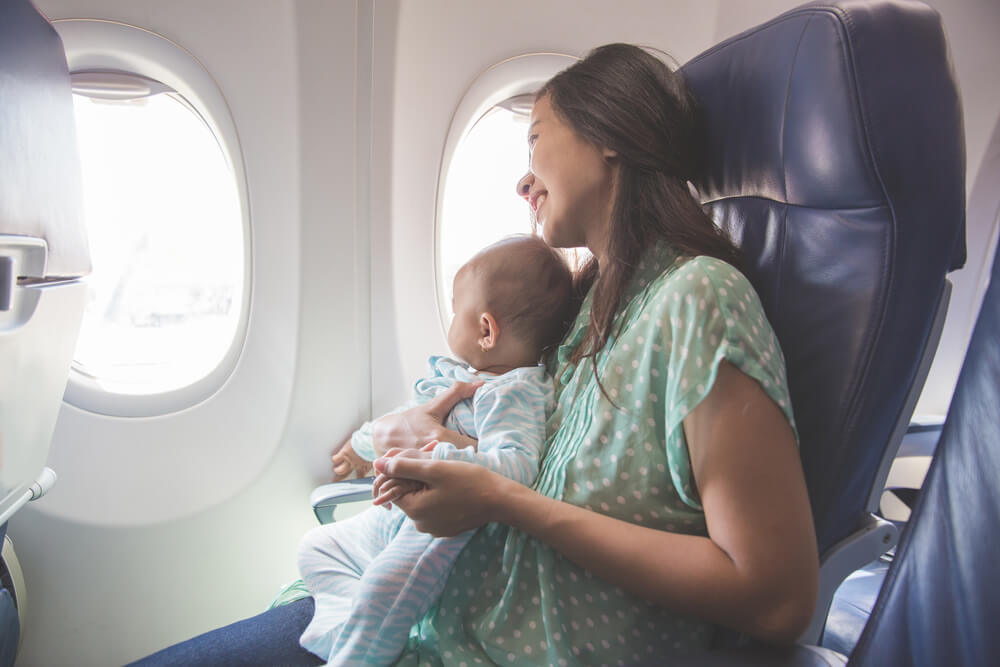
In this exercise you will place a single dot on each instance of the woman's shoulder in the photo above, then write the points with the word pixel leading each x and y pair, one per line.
pixel 702 277
pixel 702 266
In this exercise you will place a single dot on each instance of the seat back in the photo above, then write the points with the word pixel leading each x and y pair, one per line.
pixel 835 157
pixel 941 598
pixel 43 248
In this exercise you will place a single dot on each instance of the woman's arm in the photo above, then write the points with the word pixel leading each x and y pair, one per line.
pixel 415 427
pixel 756 572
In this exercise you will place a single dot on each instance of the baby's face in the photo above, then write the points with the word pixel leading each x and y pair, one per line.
pixel 466 329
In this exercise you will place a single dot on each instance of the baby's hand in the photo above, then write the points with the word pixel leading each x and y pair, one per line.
pixel 347 464
pixel 392 489
pixel 387 490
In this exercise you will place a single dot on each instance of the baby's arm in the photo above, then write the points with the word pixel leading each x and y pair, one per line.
pixel 356 454
pixel 361 440
pixel 510 420
pixel 424 390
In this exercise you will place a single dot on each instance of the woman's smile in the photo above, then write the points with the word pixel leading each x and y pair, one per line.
pixel 537 200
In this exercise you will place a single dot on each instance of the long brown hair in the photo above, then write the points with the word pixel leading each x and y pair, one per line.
pixel 622 98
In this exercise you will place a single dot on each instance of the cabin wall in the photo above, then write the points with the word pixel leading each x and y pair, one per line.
pixel 343 109
pixel 159 528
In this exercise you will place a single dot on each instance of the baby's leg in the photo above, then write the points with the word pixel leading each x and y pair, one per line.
pixel 395 592
pixel 332 558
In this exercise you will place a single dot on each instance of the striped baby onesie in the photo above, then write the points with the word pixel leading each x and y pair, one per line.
pixel 374 575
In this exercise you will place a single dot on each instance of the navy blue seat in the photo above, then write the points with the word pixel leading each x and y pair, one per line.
pixel 941 597
pixel 835 156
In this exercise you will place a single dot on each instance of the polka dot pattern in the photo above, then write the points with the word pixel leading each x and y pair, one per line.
pixel 511 599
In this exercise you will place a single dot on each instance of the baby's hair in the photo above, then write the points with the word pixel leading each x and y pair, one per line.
pixel 529 289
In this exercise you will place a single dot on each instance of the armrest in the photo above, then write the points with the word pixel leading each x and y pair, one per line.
pixel 324 499
pixel 871 540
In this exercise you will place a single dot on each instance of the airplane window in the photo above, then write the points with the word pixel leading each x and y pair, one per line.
pixel 164 220
pixel 480 205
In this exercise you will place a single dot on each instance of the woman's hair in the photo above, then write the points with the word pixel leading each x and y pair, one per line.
pixel 529 289
pixel 622 98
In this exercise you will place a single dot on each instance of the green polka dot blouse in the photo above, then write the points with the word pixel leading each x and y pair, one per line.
pixel 511 599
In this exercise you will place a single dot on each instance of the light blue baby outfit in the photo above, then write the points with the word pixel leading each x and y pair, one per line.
pixel 374 575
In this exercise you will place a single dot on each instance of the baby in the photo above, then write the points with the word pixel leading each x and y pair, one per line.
pixel 374 575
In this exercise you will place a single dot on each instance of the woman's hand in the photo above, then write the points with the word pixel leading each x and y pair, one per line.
pixel 386 490
pixel 454 497
pixel 413 428
pixel 346 462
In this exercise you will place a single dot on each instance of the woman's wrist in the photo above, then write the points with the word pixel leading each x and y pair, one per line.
pixel 509 501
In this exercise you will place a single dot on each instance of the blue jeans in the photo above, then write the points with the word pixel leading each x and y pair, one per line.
pixel 270 639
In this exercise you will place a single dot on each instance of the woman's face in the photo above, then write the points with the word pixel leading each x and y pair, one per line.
pixel 570 182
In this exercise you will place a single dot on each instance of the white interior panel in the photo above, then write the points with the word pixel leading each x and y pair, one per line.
pixel 161 528
pixel 218 446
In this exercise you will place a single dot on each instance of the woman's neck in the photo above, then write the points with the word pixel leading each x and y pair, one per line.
pixel 598 247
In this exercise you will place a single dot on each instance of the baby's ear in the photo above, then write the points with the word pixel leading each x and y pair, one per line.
pixel 488 332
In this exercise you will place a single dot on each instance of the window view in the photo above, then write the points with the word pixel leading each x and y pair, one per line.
pixel 480 204
pixel 167 242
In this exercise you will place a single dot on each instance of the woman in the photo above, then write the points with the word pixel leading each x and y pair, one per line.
pixel 671 497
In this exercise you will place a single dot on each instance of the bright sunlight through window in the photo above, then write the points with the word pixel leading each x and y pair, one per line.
pixel 480 204
pixel 166 239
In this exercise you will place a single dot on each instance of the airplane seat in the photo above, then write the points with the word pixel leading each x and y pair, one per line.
pixel 43 255
pixel 835 157
pixel 855 598
pixel 941 597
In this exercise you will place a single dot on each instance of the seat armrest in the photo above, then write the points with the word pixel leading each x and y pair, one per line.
pixel 872 539
pixel 325 499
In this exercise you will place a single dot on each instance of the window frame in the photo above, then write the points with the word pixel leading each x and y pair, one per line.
pixel 103 45
pixel 519 75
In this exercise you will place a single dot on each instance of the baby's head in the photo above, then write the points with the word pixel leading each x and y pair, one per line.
pixel 513 301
